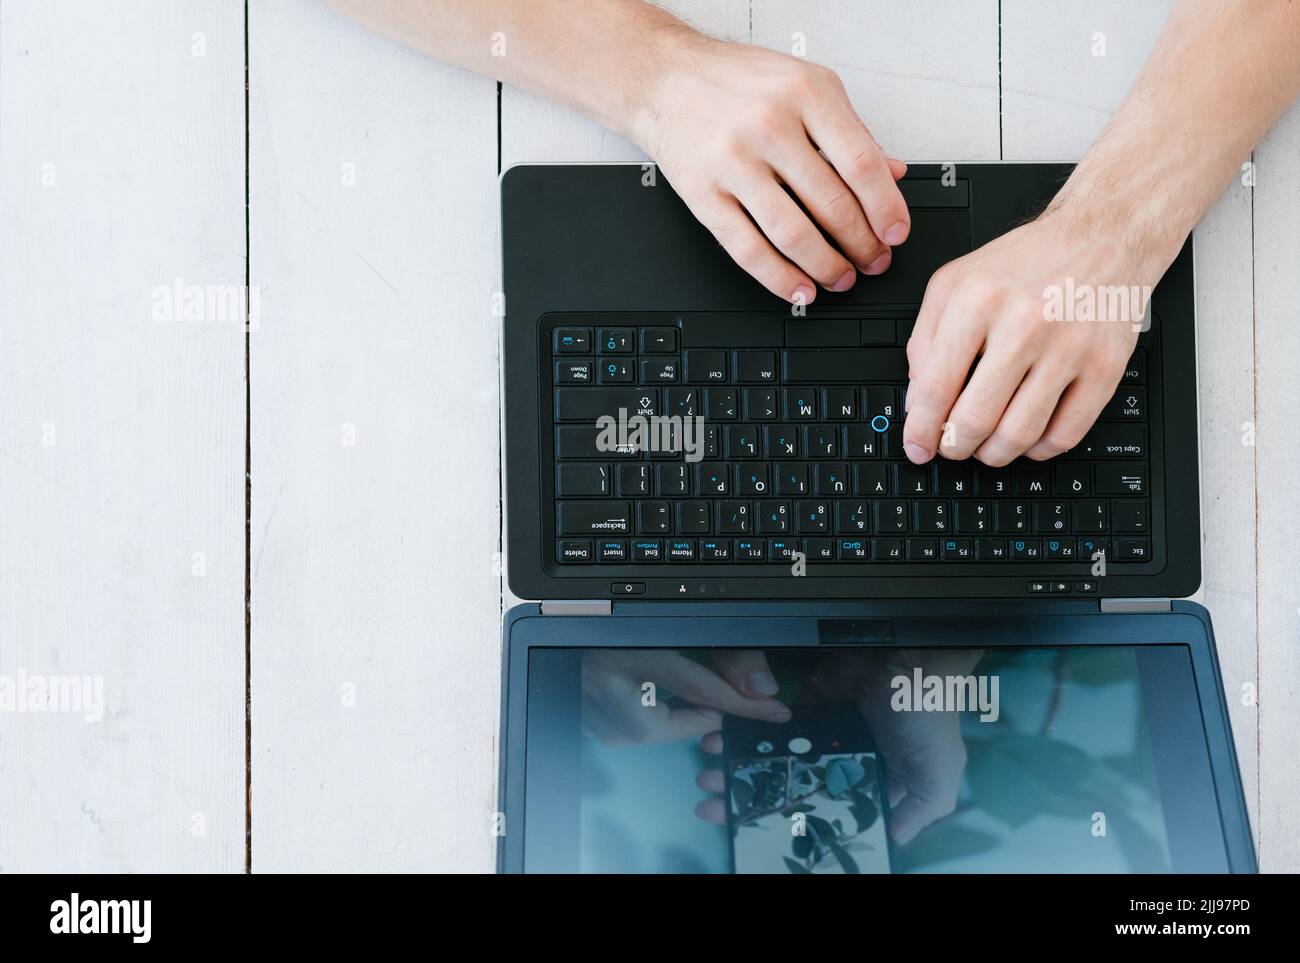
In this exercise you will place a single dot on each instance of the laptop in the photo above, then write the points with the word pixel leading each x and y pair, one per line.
pixel 764 641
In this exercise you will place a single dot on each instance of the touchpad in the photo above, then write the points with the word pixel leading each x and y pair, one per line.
pixel 937 237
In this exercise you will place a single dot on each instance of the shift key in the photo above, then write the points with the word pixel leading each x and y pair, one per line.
pixel 593 518
pixel 589 404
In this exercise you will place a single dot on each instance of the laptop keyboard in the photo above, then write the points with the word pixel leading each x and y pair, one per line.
pixel 799 450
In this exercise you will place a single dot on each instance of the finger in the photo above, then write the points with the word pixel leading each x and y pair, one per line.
pixel 897 789
pixel 700 685
pixel 711 780
pixel 980 405
pixel 712 811
pixel 831 203
pixel 616 720
pixel 938 292
pixel 1075 414
pixel 897 169
pixel 1026 417
pixel 747 671
pixel 711 742
pixel 733 229
pixel 937 380
pixel 790 230
pixel 854 153
pixel 916 812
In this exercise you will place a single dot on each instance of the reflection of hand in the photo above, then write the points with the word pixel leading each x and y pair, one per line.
pixel 617 709
pixel 923 751
pixel 925 758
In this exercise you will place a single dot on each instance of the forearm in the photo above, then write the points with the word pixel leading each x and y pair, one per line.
pixel 601 57
pixel 1221 74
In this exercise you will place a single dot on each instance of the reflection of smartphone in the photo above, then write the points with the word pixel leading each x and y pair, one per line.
pixel 805 796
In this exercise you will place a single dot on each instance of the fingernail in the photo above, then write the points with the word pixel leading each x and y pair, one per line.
pixel 916 454
pixel 803 295
pixel 879 264
pixel 845 280
pixel 895 234
pixel 762 683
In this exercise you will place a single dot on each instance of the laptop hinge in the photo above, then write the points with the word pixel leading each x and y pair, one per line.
pixel 577 607
pixel 1136 606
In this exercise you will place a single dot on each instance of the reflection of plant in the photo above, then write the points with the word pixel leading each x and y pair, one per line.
pixel 785 787
pixel 1016 777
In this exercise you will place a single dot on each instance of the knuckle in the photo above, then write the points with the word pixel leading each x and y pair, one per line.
pixel 768 117
pixel 801 78
pixel 863 164
pixel 791 233
pixel 913 354
pixel 928 389
pixel 993 457
pixel 1017 435
pixel 976 419
pixel 842 212
pixel 746 248
pixel 826 77
pixel 982 288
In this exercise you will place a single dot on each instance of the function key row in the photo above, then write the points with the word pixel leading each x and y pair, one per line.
pixel 820 550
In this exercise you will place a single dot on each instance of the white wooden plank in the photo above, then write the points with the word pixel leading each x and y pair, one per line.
pixel 923 75
pixel 1277 353
pixel 536 130
pixel 1066 67
pixel 122 436
pixel 376 605
pixel 1225 363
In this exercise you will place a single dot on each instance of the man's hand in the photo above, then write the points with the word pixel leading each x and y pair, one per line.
pixel 618 709
pixel 733 126
pixel 1043 373
pixel 1220 74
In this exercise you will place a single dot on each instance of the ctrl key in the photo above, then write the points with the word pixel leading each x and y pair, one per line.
pixel 573 551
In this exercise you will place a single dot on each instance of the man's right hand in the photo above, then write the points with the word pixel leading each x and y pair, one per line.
pixel 733 125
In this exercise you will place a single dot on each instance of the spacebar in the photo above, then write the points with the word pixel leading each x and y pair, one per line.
pixel 841 364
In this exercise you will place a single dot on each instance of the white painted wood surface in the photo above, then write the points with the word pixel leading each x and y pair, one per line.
pixel 122 437
pixel 376 594
pixel 1277 474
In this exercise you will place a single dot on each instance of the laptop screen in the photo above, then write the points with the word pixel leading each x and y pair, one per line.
pixel 868 759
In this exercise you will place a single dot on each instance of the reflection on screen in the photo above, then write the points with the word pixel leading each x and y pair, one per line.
pixel 815 814
pixel 678 769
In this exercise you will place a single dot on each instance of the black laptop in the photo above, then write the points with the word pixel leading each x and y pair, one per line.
pixel 764 641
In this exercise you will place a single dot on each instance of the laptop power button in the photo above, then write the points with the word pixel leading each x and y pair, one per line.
pixel 627 588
